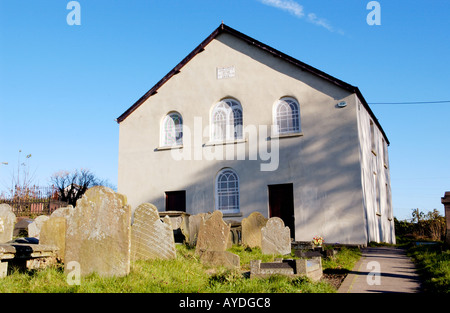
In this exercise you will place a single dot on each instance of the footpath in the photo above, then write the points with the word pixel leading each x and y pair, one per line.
pixel 382 270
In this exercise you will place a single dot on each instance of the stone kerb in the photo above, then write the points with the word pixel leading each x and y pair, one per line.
pixel 7 221
pixel 98 233
pixel 275 237
pixel 151 237
pixel 251 229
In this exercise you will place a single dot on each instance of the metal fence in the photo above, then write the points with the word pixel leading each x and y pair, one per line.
pixel 34 201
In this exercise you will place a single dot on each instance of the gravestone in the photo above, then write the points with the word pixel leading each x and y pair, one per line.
pixel 34 228
pixel 151 238
pixel 62 212
pixel 180 224
pixel 312 268
pixel 53 233
pixel 251 229
pixel 446 202
pixel 275 237
pixel 213 239
pixel 7 221
pixel 194 226
pixel 213 234
pixel 98 233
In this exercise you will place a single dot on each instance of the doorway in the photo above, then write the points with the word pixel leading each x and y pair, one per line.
pixel 176 200
pixel 281 204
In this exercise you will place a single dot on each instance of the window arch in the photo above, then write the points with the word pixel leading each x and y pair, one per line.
pixel 227 191
pixel 287 115
pixel 172 130
pixel 226 120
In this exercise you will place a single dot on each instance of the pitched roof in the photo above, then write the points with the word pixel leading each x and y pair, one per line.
pixel 226 29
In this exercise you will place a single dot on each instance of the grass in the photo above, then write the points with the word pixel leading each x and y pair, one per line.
pixel 185 274
pixel 433 264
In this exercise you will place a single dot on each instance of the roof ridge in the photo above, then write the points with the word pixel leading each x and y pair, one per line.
pixel 223 28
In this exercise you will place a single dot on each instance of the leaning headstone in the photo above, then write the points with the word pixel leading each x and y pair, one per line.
pixel 98 233
pixel 34 228
pixel 213 234
pixel 53 233
pixel 251 229
pixel 7 221
pixel 151 238
pixel 275 237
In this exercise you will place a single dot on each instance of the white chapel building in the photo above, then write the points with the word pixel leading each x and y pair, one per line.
pixel 239 126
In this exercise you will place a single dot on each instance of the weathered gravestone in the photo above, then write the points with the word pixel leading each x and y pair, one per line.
pixel 34 228
pixel 53 233
pixel 213 234
pixel 213 240
pixel 151 238
pixel 7 221
pixel 251 229
pixel 180 224
pixel 275 237
pixel 62 212
pixel 98 233
pixel 194 225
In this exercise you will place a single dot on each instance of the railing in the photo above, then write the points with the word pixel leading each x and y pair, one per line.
pixel 34 201
pixel 34 206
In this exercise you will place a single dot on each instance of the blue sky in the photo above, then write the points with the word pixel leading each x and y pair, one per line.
pixel 62 87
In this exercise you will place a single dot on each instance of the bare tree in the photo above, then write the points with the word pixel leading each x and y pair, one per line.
pixel 72 185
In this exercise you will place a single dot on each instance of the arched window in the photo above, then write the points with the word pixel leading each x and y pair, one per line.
pixel 172 130
pixel 227 191
pixel 226 120
pixel 287 116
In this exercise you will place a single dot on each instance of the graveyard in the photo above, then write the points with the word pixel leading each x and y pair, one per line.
pixel 100 246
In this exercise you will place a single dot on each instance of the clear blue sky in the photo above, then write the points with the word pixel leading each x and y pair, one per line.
pixel 61 86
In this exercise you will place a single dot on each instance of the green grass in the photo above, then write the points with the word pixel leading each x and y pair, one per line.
pixel 433 264
pixel 344 261
pixel 185 274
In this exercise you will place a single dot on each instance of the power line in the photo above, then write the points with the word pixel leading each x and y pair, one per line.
pixel 415 102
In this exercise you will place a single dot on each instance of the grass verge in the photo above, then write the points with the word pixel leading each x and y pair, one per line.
pixel 185 274
pixel 433 266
